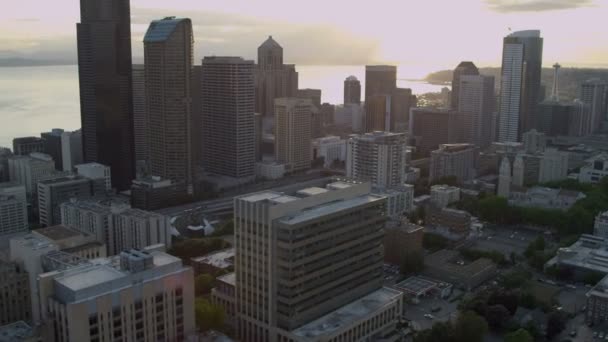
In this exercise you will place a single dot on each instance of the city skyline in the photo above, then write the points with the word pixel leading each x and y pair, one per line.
pixel 29 32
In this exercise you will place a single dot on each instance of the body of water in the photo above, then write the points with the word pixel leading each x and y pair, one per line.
pixel 37 99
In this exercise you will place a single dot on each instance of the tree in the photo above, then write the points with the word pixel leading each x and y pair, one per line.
pixel 189 248
pixel 556 322
pixel 208 316
pixel 470 327
pixel 412 262
pixel 508 299
pixel 203 284
pixel 440 332
pixel 497 316
pixel 521 335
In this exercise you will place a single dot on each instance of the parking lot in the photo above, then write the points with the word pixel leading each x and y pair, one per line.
pixel 505 239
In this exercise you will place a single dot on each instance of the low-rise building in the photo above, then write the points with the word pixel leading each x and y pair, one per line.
pixel 600 228
pixel 449 266
pixel 330 148
pixel 451 223
pixel 399 199
pixel 402 240
pixel 270 170
pixel 15 302
pixel 154 193
pixel 219 261
pixel 541 197
pixel 597 303
pixel 18 332
pixel 224 296
pixel 443 195
pixel 587 255
pixel 416 287
pixel 595 169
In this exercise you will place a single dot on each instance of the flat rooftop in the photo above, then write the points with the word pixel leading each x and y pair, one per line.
pixel 229 278
pixel 589 252
pixel 294 194
pixel 58 232
pixel 329 208
pixel 14 332
pixel 418 285
pixel 219 259
pixel 349 314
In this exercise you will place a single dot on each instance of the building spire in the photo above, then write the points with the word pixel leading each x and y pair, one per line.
pixel 555 90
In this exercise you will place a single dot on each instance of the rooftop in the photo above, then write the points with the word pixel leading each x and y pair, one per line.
pixel 329 208
pixel 161 30
pixel 589 252
pixel 349 314
pixel 270 43
pixel 15 332
pixel 219 259
pixel 417 285
pixel 229 278
pixel 526 34
pixel 58 232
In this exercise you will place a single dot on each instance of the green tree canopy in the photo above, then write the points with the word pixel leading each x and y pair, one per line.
pixel 521 335
pixel 208 316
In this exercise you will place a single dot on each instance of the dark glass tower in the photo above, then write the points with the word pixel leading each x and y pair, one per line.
pixel 464 68
pixel 104 70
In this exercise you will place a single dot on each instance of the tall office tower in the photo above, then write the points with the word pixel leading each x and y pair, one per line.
pixel 553 166
pixel 5 154
pixel 228 97
pixel 504 178
pixel 401 102
pixel 26 145
pixel 13 208
pixel 352 90
pixel 71 149
pixel 520 83
pixel 380 80
pixel 378 113
pixel 140 117
pixel 168 55
pixel 14 294
pixel 519 170
pixel 378 157
pixel 463 69
pixel 553 118
pixel 137 296
pixel 293 136
pixel 258 129
pixel 594 93
pixel 476 101
pixel 313 94
pixel 28 170
pixel 433 127
pixel 104 70
pixel 534 141
pixel 273 79
pixel 116 225
pixel 579 124
pixel 196 140
pixel 457 160
pixel 340 230
pixel 52 146
pixel 53 192
pixel 96 172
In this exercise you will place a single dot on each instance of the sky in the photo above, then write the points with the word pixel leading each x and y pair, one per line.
pixel 435 34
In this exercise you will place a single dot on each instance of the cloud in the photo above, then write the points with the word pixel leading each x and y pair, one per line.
pixel 510 6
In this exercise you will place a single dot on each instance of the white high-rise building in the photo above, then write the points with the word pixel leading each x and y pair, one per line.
pixel 13 208
pixel 520 83
pixel 504 178
pixel 442 195
pixel 96 171
pixel 377 157
pixel 594 93
pixel 476 102
pixel 293 136
pixel 331 148
pixel 553 166
pixel 71 149
pixel 28 170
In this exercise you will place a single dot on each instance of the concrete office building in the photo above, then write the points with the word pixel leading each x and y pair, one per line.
pixel 402 100
pixel 520 83
pixel 168 55
pixel 399 199
pixel 378 157
pixel 554 118
pixel 597 302
pixel 96 171
pixel 443 195
pixel 5 154
pixel 432 127
pixel 330 148
pixel 463 69
pixel 293 142
pixel 600 227
pixel 224 296
pixel 476 100
pixel 458 160
pixel 504 178
pixel 286 300
pixel 553 166
pixel 534 141
pixel 352 90
pixel 13 208
pixel 228 98
pixel 26 145
pixel 139 295
pixel 378 113
pixel 53 192
pixel 71 149
pixel 313 94
pixel 349 117
pixel 594 94
pixel 380 80
pixel 154 193
pixel 15 302
pixel 104 70
pixel 580 120
pixel 52 146
pixel 273 79
pixel 594 170
pixel 402 240
pixel 28 170
pixel 116 225
pixel 140 117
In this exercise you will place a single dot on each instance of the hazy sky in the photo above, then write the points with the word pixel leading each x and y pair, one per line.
pixel 430 33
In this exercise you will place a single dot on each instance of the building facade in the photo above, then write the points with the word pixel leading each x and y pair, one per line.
pixel 13 208
pixel 465 68
pixel 14 294
pixel 476 100
pixel 293 137
pixel 26 145
pixel 352 90
pixel 594 94
pixel 28 170
pixel 458 160
pixel 53 192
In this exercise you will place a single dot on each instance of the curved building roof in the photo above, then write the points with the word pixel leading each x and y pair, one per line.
pixel 161 30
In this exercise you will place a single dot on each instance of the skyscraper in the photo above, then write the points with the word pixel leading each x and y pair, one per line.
pixel 293 136
pixel 457 160
pixel 273 79
pixel 520 83
pixel 228 100
pixel 352 90
pixel 475 101
pixel 380 80
pixel 378 113
pixel 140 118
pixel 594 93
pixel 52 146
pixel 464 68
pixel 168 58
pixel 104 70
pixel 26 145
